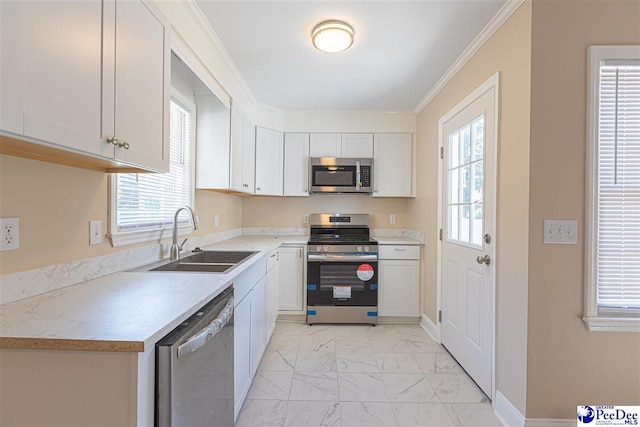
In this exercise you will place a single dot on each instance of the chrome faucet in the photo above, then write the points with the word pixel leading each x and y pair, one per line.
pixel 175 248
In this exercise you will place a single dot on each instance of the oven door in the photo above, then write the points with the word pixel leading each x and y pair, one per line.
pixel 342 280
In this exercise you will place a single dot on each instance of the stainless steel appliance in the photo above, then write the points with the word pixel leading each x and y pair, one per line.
pixel 340 175
pixel 194 368
pixel 342 270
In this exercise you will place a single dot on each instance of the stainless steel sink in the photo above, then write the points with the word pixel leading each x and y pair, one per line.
pixel 204 261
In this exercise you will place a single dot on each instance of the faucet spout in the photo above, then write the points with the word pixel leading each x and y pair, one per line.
pixel 175 248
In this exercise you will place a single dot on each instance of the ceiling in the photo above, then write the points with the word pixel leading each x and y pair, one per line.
pixel 401 49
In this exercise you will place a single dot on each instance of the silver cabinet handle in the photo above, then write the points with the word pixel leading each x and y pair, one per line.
pixel 113 140
pixel 124 145
pixel 258 188
pixel 401 249
pixel 207 333
pixel 484 259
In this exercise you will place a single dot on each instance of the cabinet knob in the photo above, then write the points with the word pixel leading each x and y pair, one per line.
pixel 124 145
pixel 113 140
pixel 258 189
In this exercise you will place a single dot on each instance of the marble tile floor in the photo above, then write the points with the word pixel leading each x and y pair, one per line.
pixel 358 375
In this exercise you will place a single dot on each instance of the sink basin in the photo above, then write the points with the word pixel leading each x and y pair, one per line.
pixel 204 262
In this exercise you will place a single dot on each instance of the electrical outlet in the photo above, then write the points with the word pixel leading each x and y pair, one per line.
pixel 10 228
pixel 563 232
pixel 392 219
pixel 216 220
pixel 305 219
pixel 95 232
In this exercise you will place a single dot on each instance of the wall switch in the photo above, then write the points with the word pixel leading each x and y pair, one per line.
pixel 216 220
pixel 305 219
pixel 10 229
pixel 392 219
pixel 563 232
pixel 95 232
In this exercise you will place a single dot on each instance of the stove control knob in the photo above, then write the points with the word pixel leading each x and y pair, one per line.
pixel 326 248
pixel 318 248
pixel 366 248
pixel 359 248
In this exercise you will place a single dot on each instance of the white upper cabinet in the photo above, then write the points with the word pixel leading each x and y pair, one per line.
pixel 74 74
pixel 142 84
pixel 353 145
pixel 269 162
pixel 296 164
pixel 357 145
pixel 243 141
pixel 212 142
pixel 392 165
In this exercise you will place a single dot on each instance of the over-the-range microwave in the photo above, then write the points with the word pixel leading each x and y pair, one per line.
pixel 340 175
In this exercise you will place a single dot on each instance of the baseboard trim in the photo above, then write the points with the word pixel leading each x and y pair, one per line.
pixel 506 412
pixel 431 328
pixel 549 422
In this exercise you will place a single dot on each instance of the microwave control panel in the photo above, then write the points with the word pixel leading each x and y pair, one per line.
pixel 365 176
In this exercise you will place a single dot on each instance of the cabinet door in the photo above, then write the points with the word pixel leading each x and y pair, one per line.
pixel 290 279
pixel 325 145
pixel 296 164
pixel 357 145
pixel 213 144
pixel 142 83
pixel 236 181
pixel 392 165
pixel 51 73
pixel 242 351
pixel 269 162
pixel 399 288
pixel 272 299
pixel 248 157
pixel 258 323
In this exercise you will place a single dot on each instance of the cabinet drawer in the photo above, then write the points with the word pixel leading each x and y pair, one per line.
pixel 399 252
pixel 272 260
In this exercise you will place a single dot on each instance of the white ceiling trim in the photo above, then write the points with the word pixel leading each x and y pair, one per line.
pixel 496 22
pixel 204 25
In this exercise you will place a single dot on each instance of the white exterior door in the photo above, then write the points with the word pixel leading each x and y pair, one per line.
pixel 469 173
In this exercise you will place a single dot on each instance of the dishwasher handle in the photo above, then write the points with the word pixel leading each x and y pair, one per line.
pixel 207 333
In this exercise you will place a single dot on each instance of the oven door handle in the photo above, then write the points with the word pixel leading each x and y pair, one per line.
pixel 342 258
pixel 208 332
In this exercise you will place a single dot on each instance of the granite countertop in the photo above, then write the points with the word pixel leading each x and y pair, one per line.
pixel 125 311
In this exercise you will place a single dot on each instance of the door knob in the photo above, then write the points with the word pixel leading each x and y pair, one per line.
pixel 484 259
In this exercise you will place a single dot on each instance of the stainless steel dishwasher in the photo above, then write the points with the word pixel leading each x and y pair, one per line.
pixel 194 368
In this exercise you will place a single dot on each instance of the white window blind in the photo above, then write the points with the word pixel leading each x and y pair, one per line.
pixel 618 188
pixel 149 200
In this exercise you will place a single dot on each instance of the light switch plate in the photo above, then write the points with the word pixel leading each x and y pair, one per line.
pixel 392 219
pixel 95 232
pixel 563 232
pixel 216 220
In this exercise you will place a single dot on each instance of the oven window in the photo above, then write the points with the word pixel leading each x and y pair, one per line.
pixel 338 178
pixel 340 275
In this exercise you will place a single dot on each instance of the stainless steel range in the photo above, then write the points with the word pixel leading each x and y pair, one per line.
pixel 342 270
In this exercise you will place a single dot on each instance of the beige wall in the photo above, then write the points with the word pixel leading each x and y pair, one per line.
pixel 507 52
pixel 568 365
pixel 289 211
pixel 55 203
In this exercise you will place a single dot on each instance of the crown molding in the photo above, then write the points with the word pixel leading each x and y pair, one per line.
pixel 496 22
pixel 205 27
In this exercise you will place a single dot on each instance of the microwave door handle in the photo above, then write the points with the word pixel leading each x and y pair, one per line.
pixel 358 175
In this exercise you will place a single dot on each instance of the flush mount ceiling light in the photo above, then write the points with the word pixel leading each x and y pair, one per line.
pixel 332 36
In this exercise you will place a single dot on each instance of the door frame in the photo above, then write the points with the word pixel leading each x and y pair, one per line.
pixel 492 83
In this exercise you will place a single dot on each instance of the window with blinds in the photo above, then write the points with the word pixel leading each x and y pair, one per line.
pixel 149 200
pixel 612 279
pixel 618 193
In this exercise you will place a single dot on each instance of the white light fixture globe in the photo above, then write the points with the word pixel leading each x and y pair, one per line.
pixel 332 36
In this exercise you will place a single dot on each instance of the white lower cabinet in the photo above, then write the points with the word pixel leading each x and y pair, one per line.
pixel 241 351
pixel 258 323
pixel 399 292
pixel 291 279
pixel 272 292
pixel 255 293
